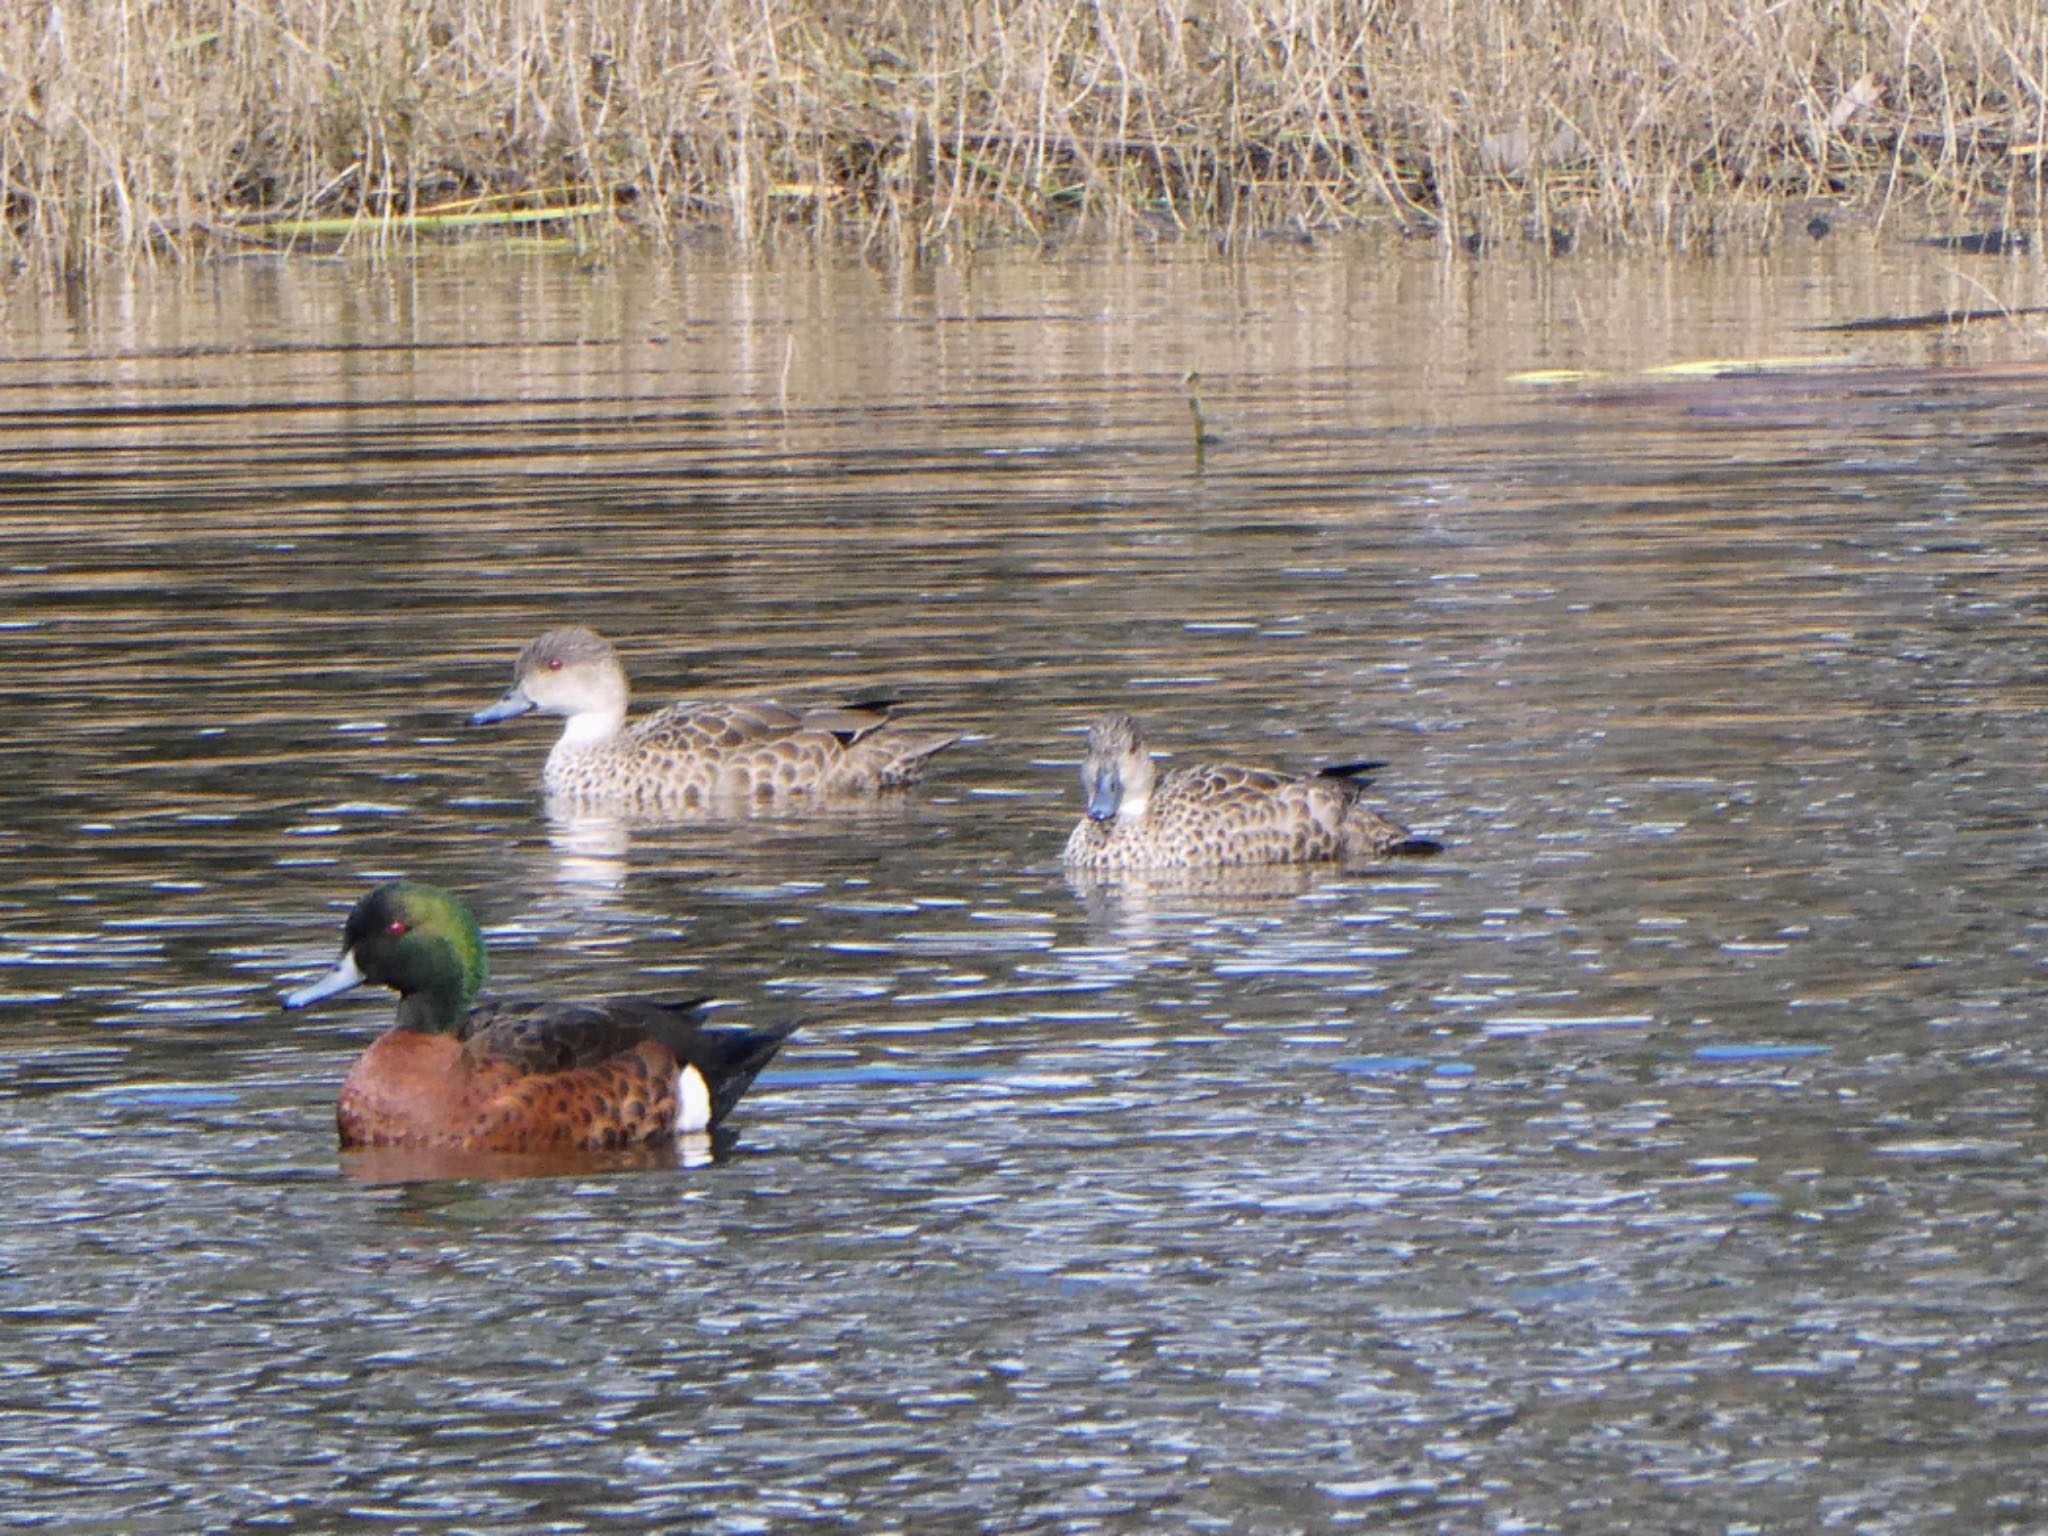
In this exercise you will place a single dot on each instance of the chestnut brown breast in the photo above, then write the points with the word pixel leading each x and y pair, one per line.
pixel 431 1090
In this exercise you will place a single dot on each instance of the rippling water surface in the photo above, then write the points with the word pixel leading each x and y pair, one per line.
pixel 1665 1155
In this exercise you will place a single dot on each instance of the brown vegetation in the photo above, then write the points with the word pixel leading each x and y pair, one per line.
pixel 134 126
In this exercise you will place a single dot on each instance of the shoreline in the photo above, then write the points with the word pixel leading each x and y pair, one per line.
pixel 176 130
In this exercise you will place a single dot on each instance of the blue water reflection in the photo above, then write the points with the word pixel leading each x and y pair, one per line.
pixel 1662 1156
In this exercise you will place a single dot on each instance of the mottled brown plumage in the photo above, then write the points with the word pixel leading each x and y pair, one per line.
pixel 1218 814
pixel 698 754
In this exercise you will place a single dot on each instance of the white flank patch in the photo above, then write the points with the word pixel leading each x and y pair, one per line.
pixel 693 1102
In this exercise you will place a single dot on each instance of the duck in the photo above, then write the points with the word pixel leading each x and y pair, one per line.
pixel 698 754
pixel 515 1075
pixel 1213 815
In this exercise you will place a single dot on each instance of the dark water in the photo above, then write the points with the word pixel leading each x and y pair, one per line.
pixel 1665 1156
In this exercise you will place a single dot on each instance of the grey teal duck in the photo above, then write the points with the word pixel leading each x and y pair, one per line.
pixel 1219 814
pixel 697 754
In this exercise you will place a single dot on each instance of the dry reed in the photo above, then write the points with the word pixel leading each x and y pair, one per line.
pixel 131 127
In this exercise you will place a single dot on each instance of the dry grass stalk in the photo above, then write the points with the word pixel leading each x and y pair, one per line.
pixel 129 127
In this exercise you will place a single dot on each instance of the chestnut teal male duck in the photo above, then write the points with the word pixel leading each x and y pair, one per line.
pixel 1212 815
pixel 697 755
pixel 518 1076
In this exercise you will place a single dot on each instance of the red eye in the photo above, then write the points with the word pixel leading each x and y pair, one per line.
pixel 554 663
pixel 398 926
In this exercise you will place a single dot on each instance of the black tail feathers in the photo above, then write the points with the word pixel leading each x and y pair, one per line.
pixel 731 1057
pixel 1355 771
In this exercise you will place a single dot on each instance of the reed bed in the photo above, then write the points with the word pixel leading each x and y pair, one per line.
pixel 135 128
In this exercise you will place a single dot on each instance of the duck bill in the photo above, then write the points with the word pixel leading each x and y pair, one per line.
pixel 514 703
pixel 1105 794
pixel 340 979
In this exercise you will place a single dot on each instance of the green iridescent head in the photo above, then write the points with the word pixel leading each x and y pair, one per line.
pixel 418 940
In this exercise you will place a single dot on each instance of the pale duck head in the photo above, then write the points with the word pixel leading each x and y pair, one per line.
pixel 1117 775
pixel 572 672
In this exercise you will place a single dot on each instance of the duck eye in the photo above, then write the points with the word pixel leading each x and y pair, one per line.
pixel 554 663
pixel 398 926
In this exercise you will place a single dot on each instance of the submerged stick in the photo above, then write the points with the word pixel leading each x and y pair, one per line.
pixel 427 222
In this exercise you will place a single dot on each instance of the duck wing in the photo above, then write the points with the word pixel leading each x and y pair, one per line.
pixel 725 725
pixel 538 1036
pixel 849 722
pixel 1220 783
pixel 705 727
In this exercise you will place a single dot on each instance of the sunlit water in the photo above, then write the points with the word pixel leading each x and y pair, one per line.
pixel 1665 1155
